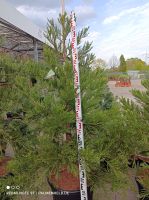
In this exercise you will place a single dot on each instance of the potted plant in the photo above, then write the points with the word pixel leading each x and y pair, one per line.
pixel 139 114
pixel 142 175
pixel 123 81
pixel 66 185
pixel 48 148
pixel 64 168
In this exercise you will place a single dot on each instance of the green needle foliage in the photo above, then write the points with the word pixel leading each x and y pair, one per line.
pixel 44 114
pixel 58 34
pixel 138 112
pixel 137 119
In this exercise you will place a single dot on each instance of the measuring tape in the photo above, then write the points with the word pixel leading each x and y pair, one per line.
pixel 79 123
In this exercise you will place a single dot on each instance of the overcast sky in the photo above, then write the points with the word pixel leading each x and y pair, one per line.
pixel 115 27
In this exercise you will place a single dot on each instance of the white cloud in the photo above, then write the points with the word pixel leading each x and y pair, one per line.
pixel 129 37
pixel 110 2
pixel 38 15
pixel 88 1
pixel 85 13
pixel 38 3
pixel 93 36
pixel 132 11
pixel 109 20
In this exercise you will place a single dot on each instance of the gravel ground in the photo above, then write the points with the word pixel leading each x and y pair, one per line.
pixel 125 91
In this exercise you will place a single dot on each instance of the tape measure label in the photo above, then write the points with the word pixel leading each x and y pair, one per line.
pixel 79 123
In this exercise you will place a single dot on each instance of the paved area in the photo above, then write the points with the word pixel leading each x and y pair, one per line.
pixel 126 91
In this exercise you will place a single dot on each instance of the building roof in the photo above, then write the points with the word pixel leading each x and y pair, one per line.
pixel 18 32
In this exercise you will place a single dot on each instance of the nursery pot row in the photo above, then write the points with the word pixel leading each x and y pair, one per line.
pixel 142 174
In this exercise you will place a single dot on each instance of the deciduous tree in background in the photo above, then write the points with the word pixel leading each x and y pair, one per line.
pixel 136 64
pixel 99 63
pixel 113 62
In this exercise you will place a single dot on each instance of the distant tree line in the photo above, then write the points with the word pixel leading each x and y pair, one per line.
pixel 123 65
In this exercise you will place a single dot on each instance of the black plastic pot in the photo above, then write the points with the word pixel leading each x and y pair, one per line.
pixel 4 196
pixel 9 115
pixel 68 195
pixel 33 81
pixel 141 190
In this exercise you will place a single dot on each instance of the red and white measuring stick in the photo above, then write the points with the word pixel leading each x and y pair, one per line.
pixel 79 123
